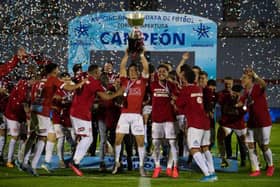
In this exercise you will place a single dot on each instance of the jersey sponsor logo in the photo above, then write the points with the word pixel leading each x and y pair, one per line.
pixel 81 129
pixel 135 91
pixel 196 95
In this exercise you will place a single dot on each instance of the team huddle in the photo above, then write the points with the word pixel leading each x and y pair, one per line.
pixel 41 108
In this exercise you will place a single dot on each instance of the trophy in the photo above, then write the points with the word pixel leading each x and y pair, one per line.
pixel 136 37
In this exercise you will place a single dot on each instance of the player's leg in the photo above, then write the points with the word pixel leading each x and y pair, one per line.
pixel 265 135
pixel 2 137
pixel 205 144
pixel 170 134
pixel 250 141
pixel 13 130
pixel 103 139
pixel 58 128
pixel 223 133
pixel 51 140
pixel 194 140
pixel 241 134
pixel 157 135
pixel 121 130
pixel 137 129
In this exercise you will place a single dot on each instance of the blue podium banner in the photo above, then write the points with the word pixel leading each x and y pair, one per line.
pixel 163 31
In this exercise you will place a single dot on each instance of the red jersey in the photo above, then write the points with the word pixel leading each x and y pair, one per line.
pixel 108 112
pixel 83 100
pixel 191 100
pixel 4 97
pixel 43 93
pixel 257 107
pixel 163 110
pixel 18 96
pixel 233 117
pixel 61 107
pixel 135 94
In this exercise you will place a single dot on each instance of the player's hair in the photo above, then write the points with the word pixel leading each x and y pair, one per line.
pixel 50 67
pixel 185 67
pixel 203 73
pixel 151 68
pixel 189 75
pixel 196 67
pixel 163 66
pixel 211 82
pixel 76 67
pixel 228 78
pixel 237 88
pixel 132 65
pixel 92 68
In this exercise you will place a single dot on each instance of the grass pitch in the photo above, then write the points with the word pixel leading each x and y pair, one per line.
pixel 66 178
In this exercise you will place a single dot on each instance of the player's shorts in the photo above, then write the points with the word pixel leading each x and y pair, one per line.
pixel 198 137
pixel 163 130
pixel 238 132
pixel 45 125
pixel 147 110
pixel 259 135
pixel 58 130
pixel 3 124
pixel 13 127
pixel 81 127
pixel 181 119
pixel 130 121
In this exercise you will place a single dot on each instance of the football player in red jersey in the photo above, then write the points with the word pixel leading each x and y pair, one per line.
pixel 131 118
pixel 163 118
pixel 43 95
pixel 80 113
pixel 191 100
pixel 259 123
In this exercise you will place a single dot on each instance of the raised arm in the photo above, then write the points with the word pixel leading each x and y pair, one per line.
pixel 123 72
pixel 185 57
pixel 258 79
pixel 145 64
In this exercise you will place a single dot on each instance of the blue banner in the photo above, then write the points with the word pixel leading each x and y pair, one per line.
pixel 163 31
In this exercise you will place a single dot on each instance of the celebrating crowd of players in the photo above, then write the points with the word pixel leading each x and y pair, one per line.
pixel 41 107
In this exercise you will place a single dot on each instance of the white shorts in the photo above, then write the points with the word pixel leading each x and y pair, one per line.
pixel 147 109
pixel 181 119
pixel 45 125
pixel 163 130
pixel 198 137
pixel 130 121
pixel 81 127
pixel 3 123
pixel 13 127
pixel 238 132
pixel 259 135
pixel 58 130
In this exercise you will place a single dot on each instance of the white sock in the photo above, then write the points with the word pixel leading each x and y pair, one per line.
pixel 141 152
pixel 26 158
pixel 2 143
pixel 49 151
pixel 38 151
pixel 209 161
pixel 117 152
pixel 170 160
pixel 21 148
pixel 156 153
pixel 82 148
pixel 201 162
pixel 60 146
pixel 11 149
pixel 173 150
pixel 268 157
pixel 254 160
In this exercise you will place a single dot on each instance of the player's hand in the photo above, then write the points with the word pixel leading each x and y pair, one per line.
pixel 21 53
pixel 186 56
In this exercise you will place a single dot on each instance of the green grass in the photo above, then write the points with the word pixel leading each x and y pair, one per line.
pixel 65 177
